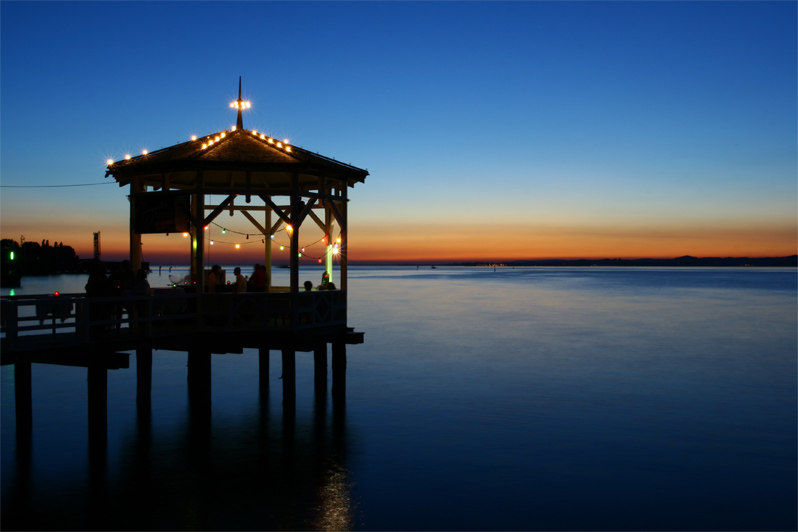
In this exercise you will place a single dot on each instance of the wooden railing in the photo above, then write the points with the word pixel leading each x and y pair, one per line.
pixel 166 312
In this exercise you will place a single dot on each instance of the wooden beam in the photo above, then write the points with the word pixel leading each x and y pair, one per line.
pixel 318 221
pixel 268 201
pixel 218 210
pixel 337 215
pixel 255 223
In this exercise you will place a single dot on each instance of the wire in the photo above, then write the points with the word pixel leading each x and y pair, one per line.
pixel 58 186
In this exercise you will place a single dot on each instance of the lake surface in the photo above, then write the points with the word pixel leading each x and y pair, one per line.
pixel 516 399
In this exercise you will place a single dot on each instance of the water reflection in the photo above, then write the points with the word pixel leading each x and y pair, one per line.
pixel 275 469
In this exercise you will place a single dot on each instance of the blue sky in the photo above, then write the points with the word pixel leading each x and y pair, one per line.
pixel 499 129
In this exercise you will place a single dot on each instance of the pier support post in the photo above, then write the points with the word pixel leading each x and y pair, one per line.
pixel 339 369
pixel 263 367
pixel 320 367
pixel 98 403
pixel 23 396
pixel 143 376
pixel 289 377
pixel 199 377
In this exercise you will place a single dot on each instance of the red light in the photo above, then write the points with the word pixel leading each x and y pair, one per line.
pixel 57 293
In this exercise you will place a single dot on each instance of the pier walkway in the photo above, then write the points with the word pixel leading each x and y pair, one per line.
pixel 101 333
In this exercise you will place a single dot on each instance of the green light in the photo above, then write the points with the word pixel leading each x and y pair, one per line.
pixel 11 255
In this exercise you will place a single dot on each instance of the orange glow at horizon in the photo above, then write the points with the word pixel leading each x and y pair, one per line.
pixel 448 243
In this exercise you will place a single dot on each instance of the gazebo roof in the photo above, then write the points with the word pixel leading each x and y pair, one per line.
pixel 268 161
pixel 233 160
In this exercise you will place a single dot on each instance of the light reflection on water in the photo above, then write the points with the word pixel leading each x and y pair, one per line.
pixel 551 399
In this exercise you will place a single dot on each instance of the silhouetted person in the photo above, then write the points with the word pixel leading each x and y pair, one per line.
pixel 97 286
pixel 257 282
pixel 214 279
pixel 120 283
pixel 308 286
pixel 141 288
pixel 241 282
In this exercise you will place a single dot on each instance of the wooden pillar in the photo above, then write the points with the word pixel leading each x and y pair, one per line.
pixel 289 377
pixel 23 395
pixel 198 236
pixel 339 369
pixel 98 399
pixel 320 367
pixel 136 187
pixel 344 236
pixel 143 376
pixel 199 377
pixel 295 222
pixel 268 251
pixel 263 367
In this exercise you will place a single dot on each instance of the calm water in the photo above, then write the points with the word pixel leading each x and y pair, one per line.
pixel 521 399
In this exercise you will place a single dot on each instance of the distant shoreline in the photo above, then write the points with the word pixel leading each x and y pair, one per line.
pixel 686 261
pixel 681 262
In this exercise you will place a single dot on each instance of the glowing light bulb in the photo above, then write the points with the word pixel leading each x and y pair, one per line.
pixel 110 162
pixel 279 144
pixel 254 131
pixel 193 137
pixel 271 236
pixel 271 141
pixel 224 230
pixel 207 227
pixel 282 248
pixel 289 228
pixel 288 148
pixel 238 246
pixel 285 140
pixel 233 128
pixel 127 156
pixel 211 242
pixel 185 234
pixel 144 152
pixel 222 134
pixel 204 146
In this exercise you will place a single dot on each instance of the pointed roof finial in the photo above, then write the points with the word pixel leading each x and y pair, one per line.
pixel 240 105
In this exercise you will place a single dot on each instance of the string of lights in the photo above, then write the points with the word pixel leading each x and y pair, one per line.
pixel 335 249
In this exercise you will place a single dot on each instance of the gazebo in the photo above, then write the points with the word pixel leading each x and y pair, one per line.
pixel 169 187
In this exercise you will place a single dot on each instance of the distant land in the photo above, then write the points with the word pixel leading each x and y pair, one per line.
pixel 686 261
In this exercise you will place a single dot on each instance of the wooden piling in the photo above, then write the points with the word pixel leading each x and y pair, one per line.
pixel 289 377
pixel 320 367
pixel 23 395
pixel 143 376
pixel 339 369
pixel 263 367
pixel 199 376
pixel 97 373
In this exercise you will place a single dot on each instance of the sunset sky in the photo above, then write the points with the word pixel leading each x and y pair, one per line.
pixel 491 130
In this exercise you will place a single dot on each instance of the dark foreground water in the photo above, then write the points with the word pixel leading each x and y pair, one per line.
pixel 520 399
